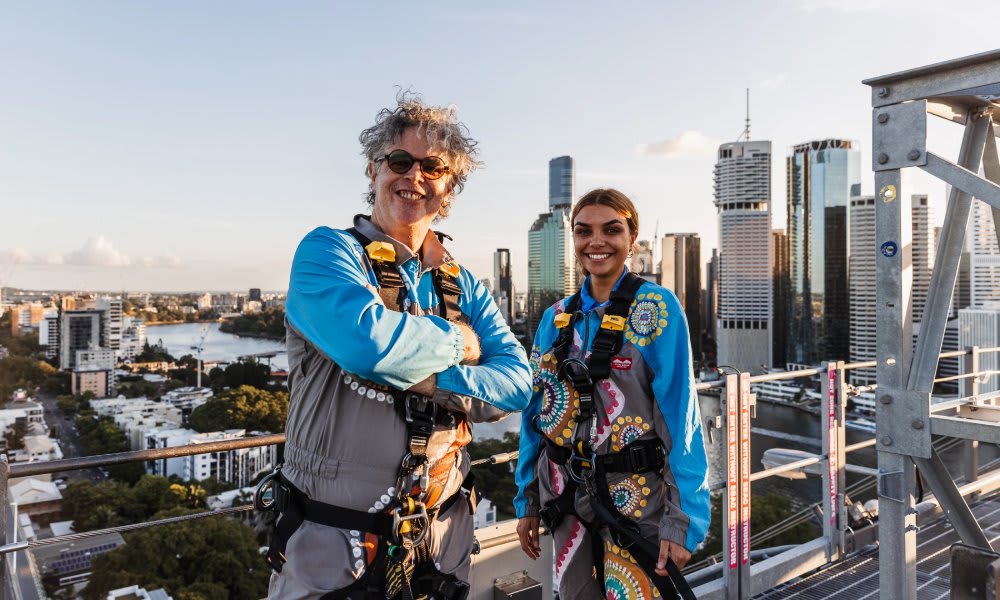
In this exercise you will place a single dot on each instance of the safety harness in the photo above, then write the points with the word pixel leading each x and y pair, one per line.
pixel 589 470
pixel 402 566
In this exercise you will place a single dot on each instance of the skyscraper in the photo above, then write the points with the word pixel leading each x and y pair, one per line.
pixel 780 296
pixel 562 181
pixel 504 291
pixel 984 256
pixel 822 176
pixel 680 272
pixel 861 269
pixel 923 254
pixel 79 330
pixel 743 199
pixel 552 272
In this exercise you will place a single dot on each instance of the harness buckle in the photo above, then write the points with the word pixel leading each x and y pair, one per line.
pixel 417 404
pixel 405 525
pixel 638 456
pixel 578 374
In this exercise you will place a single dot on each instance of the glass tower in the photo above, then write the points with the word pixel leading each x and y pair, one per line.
pixel 823 175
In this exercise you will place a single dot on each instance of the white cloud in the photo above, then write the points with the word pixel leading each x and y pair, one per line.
pixel 166 261
pixel 20 256
pixel 689 143
pixel 97 252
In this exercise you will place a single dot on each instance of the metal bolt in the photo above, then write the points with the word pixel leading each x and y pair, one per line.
pixel 883 118
pixel 917 424
pixel 913 154
pixel 890 361
pixel 883 158
pixel 886 440
pixel 885 399
pixel 883 92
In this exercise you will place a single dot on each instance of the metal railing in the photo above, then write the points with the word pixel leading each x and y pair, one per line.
pixel 740 578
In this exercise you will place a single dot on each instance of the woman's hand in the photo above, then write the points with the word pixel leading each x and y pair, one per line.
pixel 668 549
pixel 527 531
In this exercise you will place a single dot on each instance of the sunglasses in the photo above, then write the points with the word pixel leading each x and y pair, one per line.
pixel 401 161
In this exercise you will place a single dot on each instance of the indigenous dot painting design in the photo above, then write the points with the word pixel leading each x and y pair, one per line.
pixel 630 496
pixel 614 403
pixel 627 430
pixel 560 402
pixel 565 554
pixel 623 577
pixel 646 319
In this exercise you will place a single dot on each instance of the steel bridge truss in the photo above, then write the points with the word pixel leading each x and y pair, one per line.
pixel 964 91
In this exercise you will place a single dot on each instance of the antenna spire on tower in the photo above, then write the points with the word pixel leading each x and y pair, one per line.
pixel 746 132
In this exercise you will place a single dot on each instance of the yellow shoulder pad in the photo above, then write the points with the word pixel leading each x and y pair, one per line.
pixel 381 251
pixel 612 322
pixel 451 269
pixel 562 319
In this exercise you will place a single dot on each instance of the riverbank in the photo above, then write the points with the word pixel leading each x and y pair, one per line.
pixel 259 336
pixel 157 323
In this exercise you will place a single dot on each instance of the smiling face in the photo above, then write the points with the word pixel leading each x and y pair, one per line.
pixel 602 240
pixel 408 200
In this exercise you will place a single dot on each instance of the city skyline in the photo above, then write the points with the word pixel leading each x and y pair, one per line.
pixel 190 149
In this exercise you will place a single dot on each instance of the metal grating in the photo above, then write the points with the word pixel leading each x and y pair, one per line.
pixel 857 578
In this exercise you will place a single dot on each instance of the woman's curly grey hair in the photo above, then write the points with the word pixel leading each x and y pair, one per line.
pixel 439 125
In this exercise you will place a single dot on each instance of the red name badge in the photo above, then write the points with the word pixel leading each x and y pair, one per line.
pixel 622 363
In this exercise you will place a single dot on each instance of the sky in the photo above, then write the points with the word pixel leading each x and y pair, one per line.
pixel 189 146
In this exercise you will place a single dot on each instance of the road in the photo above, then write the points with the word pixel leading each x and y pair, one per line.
pixel 69 439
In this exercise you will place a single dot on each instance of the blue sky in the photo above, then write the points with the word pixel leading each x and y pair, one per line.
pixel 190 145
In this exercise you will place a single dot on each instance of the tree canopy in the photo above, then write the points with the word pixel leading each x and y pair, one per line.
pixel 245 407
pixel 212 558
pixel 496 482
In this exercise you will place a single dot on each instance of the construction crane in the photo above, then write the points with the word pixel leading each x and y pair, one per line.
pixel 199 348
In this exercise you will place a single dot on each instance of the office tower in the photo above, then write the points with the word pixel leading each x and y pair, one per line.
pixel 680 272
pixel 743 200
pixel 562 182
pixel 923 254
pixel 504 291
pixel 711 299
pixel 551 263
pixel 552 269
pixel 254 295
pixel 79 330
pixel 780 295
pixel 862 278
pixel 822 176
pixel 984 256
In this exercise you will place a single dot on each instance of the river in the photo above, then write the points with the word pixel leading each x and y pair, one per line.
pixel 219 346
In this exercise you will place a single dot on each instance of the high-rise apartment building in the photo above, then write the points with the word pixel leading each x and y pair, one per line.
pixel 79 330
pixel 743 200
pixel 562 182
pixel 822 176
pixel 254 295
pixel 861 285
pixel 924 250
pixel 503 293
pixel 48 333
pixel 680 272
pixel 552 271
pixel 25 318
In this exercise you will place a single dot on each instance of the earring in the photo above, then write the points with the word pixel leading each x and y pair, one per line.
pixel 630 253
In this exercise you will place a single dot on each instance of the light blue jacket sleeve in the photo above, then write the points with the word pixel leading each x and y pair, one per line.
pixel 502 378
pixel 332 301
pixel 674 388
pixel 526 502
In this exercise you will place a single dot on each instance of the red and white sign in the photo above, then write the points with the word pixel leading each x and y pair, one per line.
pixel 831 416
pixel 745 469
pixel 732 472
pixel 622 363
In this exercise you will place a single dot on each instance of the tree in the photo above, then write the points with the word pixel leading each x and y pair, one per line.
pixel 246 373
pixel 496 482
pixel 15 436
pixel 208 558
pixel 245 407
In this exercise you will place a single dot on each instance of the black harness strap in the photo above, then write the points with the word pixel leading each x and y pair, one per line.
pixel 608 340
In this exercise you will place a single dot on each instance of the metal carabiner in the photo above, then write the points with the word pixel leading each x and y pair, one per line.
pixel 581 468
pixel 265 495
pixel 416 521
